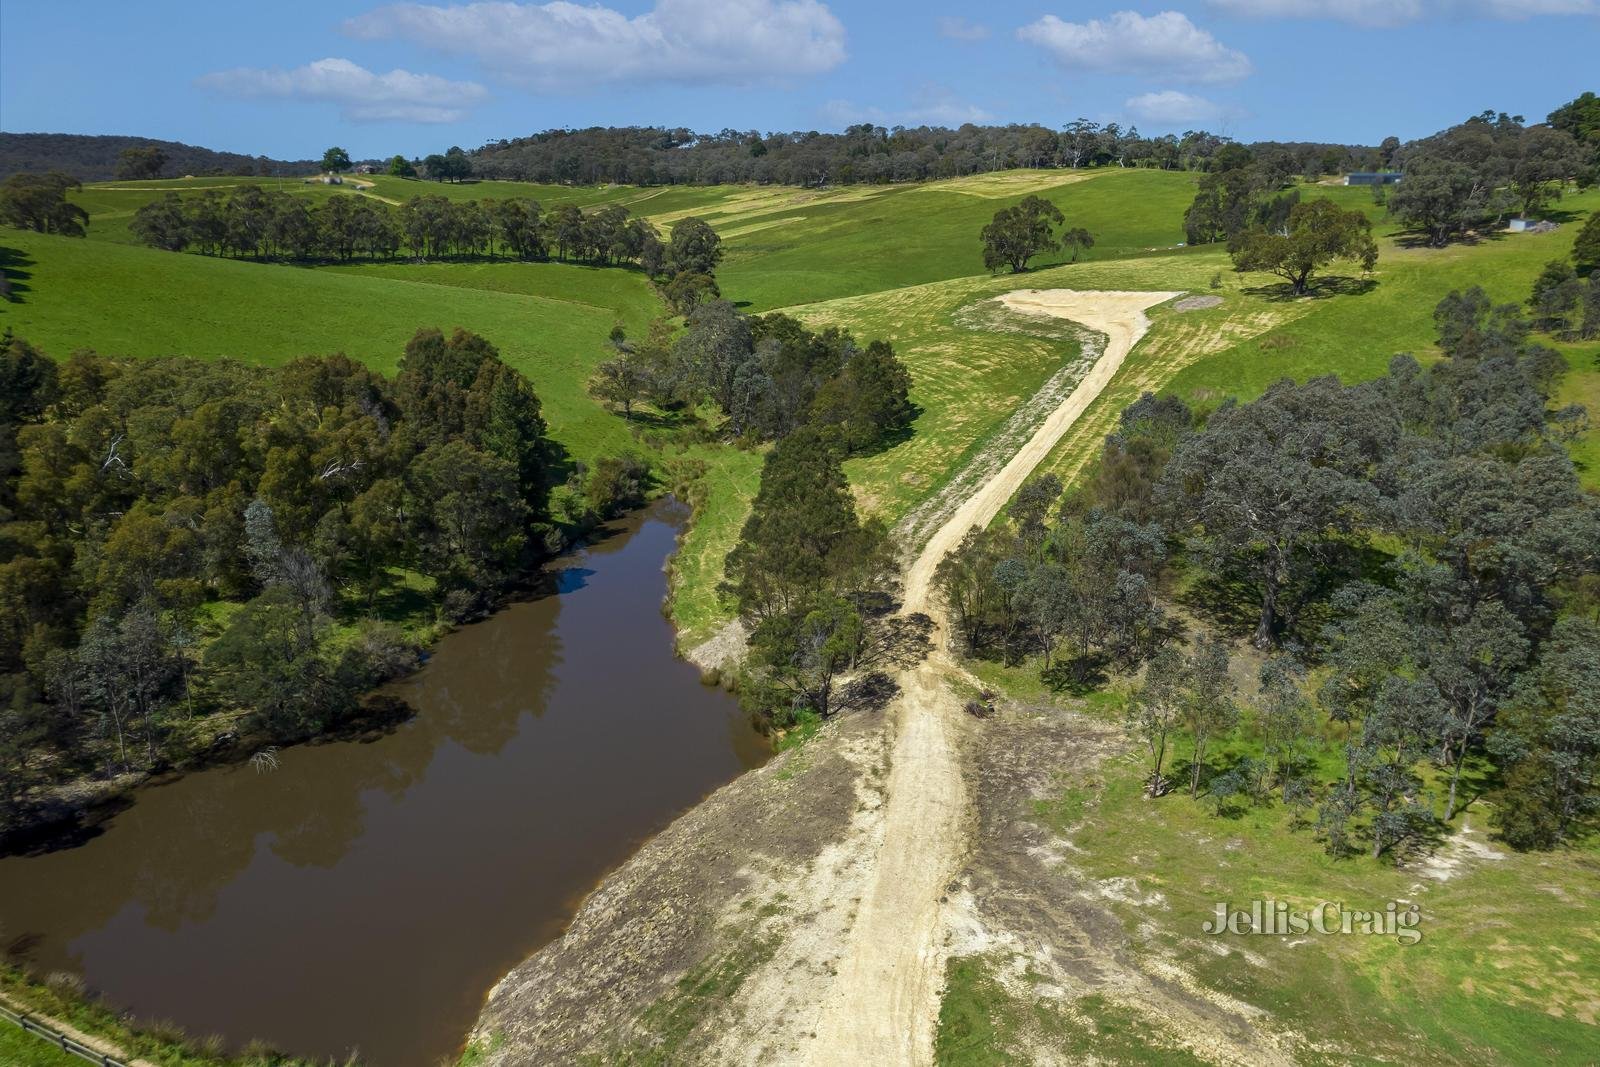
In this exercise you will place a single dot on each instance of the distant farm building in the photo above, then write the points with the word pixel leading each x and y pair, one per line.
pixel 1530 226
pixel 1372 177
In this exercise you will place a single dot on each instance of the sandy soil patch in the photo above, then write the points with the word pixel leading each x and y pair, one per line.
pixel 1004 184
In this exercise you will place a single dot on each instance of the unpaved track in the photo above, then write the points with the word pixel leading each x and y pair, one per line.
pixel 884 1001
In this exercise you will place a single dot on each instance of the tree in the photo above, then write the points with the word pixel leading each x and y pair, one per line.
pixel 1586 249
pixel 1544 158
pixel 1269 483
pixel 1031 505
pixel 1155 711
pixel 1018 233
pixel 1472 665
pixel 127 670
pixel 162 224
pixel 1591 308
pixel 693 247
pixel 1580 119
pixel 1221 206
pixel 135 164
pixel 805 655
pixel 868 399
pixel 1078 240
pixel 39 202
pixel 1286 717
pixel 1556 296
pixel 336 160
pixel 1208 706
pixel 453 166
pixel 469 514
pixel 270 664
pixel 621 381
pixel 803 536
pixel 1549 735
pixel 1319 232
pixel 1439 197
pixel 401 167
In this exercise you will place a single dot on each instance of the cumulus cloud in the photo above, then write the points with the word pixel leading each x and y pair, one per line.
pixel 363 96
pixel 567 46
pixel 1169 107
pixel 1401 12
pixel 959 29
pixel 1166 44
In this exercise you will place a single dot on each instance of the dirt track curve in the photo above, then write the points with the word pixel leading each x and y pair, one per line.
pixel 884 1001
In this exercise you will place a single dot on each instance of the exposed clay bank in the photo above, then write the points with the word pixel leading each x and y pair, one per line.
pixel 366 895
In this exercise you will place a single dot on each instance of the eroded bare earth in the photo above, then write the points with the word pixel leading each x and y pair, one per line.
pixel 806 910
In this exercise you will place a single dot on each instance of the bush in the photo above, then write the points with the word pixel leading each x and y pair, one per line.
pixel 616 484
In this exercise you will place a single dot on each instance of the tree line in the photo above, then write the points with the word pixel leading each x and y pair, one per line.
pixel 1414 555
pixel 271 224
pixel 261 223
pixel 180 537
pixel 862 153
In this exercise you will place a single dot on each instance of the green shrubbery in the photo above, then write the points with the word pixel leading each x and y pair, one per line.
pixel 179 537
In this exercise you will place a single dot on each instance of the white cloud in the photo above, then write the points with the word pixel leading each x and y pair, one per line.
pixel 950 113
pixel 1167 45
pixel 561 45
pixel 959 29
pixel 931 105
pixel 1401 12
pixel 1522 9
pixel 1360 12
pixel 1169 107
pixel 398 96
pixel 843 113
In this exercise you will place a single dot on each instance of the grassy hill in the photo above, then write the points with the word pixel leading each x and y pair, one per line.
pixel 900 262
pixel 550 321
pixel 94 158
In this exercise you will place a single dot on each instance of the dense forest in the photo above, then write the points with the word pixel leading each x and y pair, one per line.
pixel 100 159
pixel 183 541
pixel 1414 557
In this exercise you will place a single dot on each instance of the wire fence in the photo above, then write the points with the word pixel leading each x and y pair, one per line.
pixel 58 1039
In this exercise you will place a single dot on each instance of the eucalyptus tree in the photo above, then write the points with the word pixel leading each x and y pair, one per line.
pixel 1269 485
pixel 1316 234
pixel 1155 711
pixel 1019 233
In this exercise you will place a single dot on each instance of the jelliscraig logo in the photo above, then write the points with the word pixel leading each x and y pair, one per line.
pixel 1275 917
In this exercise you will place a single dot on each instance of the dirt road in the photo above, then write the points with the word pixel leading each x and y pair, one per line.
pixel 884 1001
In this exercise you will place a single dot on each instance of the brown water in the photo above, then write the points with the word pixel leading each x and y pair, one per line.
pixel 366 895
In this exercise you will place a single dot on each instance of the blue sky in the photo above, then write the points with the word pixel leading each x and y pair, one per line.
pixel 289 78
